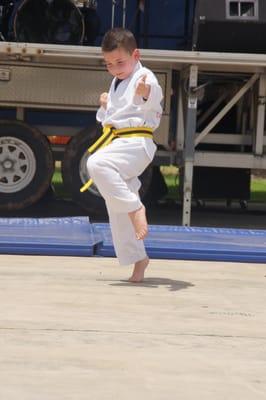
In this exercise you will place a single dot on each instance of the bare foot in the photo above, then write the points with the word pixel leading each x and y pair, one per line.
pixel 139 270
pixel 139 221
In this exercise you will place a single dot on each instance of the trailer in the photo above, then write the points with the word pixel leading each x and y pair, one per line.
pixel 50 90
pixel 27 69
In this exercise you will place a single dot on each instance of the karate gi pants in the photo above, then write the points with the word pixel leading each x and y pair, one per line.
pixel 115 169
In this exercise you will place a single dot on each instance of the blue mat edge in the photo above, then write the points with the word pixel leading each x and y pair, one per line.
pixel 235 257
pixel 98 248
pixel 84 249
pixel 107 250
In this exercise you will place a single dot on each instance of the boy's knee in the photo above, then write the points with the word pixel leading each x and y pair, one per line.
pixel 94 166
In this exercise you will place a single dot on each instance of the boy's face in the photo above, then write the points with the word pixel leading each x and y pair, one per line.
pixel 121 63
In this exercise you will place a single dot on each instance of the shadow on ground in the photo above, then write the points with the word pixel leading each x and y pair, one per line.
pixel 153 283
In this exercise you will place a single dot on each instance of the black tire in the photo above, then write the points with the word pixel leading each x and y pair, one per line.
pixel 74 173
pixel 26 165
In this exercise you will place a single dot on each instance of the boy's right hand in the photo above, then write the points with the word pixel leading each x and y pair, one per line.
pixel 103 100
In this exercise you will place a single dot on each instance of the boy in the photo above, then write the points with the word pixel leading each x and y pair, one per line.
pixel 132 111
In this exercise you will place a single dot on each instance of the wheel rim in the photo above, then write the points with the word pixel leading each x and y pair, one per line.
pixel 84 176
pixel 17 164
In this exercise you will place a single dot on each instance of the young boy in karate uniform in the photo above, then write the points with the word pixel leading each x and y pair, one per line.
pixel 131 107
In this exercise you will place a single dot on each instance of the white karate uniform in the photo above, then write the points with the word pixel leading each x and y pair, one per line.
pixel 116 167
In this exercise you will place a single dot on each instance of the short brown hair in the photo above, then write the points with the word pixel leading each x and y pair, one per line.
pixel 119 38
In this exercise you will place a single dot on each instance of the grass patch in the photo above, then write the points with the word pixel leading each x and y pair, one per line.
pixel 258 190
pixel 58 185
pixel 172 182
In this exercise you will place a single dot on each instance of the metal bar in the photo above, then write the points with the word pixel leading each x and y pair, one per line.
pixel 113 13
pixel 229 160
pixel 239 113
pixel 179 56
pixel 189 144
pixel 212 108
pixel 244 130
pixel 187 193
pixel 260 116
pixel 124 13
pixel 228 107
pixel 180 126
pixel 229 138
pixel 231 62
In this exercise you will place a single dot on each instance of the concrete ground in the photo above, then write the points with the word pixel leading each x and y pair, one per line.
pixel 74 328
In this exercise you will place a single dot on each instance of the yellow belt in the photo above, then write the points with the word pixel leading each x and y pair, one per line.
pixel 109 134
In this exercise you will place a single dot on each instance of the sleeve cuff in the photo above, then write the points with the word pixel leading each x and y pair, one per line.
pixel 155 97
pixel 100 115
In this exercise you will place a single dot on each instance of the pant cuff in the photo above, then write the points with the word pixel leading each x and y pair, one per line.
pixel 131 260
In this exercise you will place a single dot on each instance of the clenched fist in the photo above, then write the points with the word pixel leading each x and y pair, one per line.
pixel 142 88
pixel 103 99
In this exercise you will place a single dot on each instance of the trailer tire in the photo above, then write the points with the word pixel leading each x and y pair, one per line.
pixel 26 165
pixel 75 174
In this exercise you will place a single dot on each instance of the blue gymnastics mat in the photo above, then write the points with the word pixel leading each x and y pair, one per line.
pixel 70 236
pixel 188 243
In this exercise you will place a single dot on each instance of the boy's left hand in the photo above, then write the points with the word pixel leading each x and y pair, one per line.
pixel 143 89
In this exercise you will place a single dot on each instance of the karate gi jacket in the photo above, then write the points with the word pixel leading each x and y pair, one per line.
pixel 125 109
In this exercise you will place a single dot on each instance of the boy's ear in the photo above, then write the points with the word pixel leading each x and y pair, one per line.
pixel 136 54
